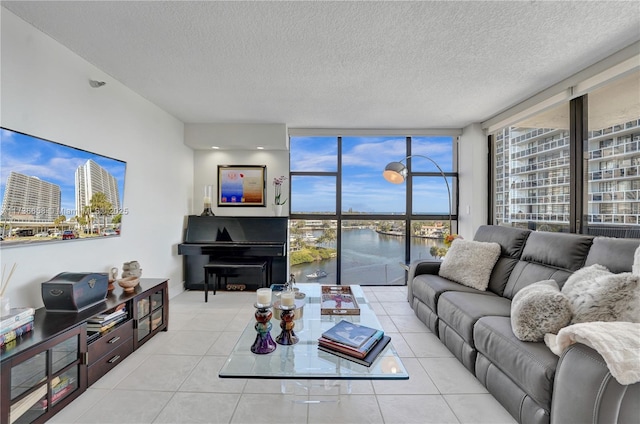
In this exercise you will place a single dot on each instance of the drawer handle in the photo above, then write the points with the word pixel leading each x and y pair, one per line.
pixel 115 339
pixel 114 359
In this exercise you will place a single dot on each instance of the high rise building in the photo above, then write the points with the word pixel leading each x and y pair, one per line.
pixel 91 178
pixel 532 176
pixel 30 199
pixel 614 174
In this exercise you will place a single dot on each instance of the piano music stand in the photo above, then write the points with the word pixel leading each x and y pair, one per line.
pixel 225 267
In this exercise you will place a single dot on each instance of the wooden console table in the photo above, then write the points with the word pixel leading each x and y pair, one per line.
pixel 45 369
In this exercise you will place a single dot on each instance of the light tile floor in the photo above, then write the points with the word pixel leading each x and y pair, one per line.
pixel 173 378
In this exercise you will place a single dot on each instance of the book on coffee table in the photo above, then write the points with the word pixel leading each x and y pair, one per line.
pixel 368 359
pixel 360 352
pixel 351 334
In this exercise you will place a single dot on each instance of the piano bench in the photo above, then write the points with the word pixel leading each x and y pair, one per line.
pixel 229 268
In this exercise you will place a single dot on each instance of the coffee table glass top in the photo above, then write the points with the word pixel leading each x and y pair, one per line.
pixel 304 360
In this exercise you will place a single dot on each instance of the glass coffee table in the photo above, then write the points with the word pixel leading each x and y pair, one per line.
pixel 303 360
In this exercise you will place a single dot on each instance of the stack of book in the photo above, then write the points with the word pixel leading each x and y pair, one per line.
pixel 355 342
pixel 18 322
pixel 102 323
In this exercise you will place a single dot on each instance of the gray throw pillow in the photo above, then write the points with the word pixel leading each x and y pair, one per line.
pixel 596 294
pixel 537 309
pixel 470 263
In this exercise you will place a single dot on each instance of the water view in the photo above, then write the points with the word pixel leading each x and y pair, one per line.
pixel 368 258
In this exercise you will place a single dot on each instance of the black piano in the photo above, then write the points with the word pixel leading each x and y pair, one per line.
pixel 215 237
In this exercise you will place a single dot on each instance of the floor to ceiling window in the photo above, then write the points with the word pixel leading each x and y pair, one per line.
pixel 613 174
pixel 532 172
pixel 350 226
pixel 535 185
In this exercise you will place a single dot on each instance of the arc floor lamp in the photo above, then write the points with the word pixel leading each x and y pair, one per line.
pixel 397 172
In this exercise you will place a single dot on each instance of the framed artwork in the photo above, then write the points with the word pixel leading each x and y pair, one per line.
pixel 241 185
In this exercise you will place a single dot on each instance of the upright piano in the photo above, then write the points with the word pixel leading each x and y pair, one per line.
pixel 216 237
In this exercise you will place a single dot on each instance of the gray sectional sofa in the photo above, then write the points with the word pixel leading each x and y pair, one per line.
pixel 530 381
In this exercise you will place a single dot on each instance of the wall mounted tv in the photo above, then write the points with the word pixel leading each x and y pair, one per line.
pixel 52 192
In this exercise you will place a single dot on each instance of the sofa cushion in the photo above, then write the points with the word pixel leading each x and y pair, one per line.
pixel 539 309
pixel 599 295
pixel 548 256
pixel 428 288
pixel 511 241
pixel 531 366
pixel 470 263
pixel 614 253
pixel 460 311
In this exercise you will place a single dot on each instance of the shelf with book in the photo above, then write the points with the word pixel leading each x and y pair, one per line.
pixel 151 310
pixel 33 378
pixel 46 368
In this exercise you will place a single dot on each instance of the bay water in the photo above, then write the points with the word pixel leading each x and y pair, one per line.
pixel 368 258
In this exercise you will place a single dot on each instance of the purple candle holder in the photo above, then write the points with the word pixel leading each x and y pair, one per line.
pixel 263 343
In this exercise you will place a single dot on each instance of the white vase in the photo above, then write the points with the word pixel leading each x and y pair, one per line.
pixel 278 209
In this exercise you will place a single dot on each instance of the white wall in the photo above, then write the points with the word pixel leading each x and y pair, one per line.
pixel 206 162
pixel 45 92
pixel 473 174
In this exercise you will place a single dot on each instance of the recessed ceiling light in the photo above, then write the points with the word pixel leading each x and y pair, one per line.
pixel 260 148
pixel 215 147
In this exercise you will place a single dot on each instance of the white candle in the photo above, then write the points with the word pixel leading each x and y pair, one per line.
pixel 208 194
pixel 264 296
pixel 287 298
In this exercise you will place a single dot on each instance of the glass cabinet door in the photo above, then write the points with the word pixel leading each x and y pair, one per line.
pixel 150 314
pixel 64 354
pixel 43 380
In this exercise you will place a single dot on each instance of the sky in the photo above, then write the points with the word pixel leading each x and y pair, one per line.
pixel 363 161
pixel 51 162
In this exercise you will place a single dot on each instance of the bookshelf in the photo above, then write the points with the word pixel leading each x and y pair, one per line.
pixel 54 363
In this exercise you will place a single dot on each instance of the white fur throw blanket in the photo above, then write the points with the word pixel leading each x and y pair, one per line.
pixel 617 342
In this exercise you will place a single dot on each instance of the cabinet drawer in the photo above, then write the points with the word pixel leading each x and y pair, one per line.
pixel 109 341
pixel 104 364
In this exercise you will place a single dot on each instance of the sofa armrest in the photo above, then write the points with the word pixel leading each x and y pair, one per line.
pixel 585 391
pixel 417 268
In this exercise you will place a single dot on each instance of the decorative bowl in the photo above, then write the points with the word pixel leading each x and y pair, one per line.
pixel 129 283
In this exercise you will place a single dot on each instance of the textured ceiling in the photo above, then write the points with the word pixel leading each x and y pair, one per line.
pixel 376 65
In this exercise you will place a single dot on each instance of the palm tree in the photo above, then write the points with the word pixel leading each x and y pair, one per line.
pixel 86 218
pixel 59 220
pixel 328 235
pixel 101 207
pixel 415 227
pixel 81 220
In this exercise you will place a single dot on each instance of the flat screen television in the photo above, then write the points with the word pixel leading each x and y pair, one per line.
pixel 53 192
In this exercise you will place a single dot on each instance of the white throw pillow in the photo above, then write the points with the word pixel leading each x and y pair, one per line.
pixel 537 309
pixel 636 262
pixel 470 263
pixel 596 294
